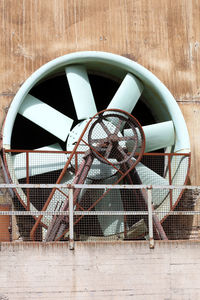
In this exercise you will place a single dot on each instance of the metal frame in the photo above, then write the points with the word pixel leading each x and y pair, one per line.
pixel 108 187
pixel 83 171
pixel 120 66
pixel 71 212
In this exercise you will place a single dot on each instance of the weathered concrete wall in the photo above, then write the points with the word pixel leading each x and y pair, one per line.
pixel 163 36
pixel 100 271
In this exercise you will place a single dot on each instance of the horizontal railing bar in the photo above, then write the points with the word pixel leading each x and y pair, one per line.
pixel 95 186
pixel 95 213
pixel 133 186
pixel 42 151
pixel 111 213
pixel 82 152
pixel 33 213
pixel 136 213
pixel 78 213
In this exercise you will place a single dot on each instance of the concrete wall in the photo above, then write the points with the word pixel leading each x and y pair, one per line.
pixel 163 36
pixel 127 270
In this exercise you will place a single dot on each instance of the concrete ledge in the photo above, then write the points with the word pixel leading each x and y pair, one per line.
pixel 100 270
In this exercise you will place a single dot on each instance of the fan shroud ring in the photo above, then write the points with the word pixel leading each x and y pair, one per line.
pixel 100 61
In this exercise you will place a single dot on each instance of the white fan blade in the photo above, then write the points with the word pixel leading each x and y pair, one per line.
pixel 157 136
pixel 149 177
pixel 46 117
pixel 81 91
pixel 39 163
pixel 127 94
pixel 110 202
pixel 58 198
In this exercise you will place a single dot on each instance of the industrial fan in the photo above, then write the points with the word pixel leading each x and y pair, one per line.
pixel 52 108
pixel 106 141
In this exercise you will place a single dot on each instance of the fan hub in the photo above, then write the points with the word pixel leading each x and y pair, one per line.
pixel 106 137
pixel 76 132
pixel 74 136
pixel 113 138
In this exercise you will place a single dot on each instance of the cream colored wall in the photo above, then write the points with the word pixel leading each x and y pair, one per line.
pixel 93 271
pixel 163 36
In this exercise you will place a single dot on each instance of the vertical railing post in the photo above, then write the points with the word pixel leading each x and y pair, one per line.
pixel 76 162
pixel 170 180
pixel 150 218
pixel 71 220
pixel 27 181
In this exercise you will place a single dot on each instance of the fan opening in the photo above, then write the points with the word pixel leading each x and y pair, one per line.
pixel 56 93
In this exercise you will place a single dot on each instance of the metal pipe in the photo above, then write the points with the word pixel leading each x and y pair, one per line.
pixel 71 220
pixel 96 186
pixel 27 181
pixel 95 213
pixel 150 219
pixel 170 180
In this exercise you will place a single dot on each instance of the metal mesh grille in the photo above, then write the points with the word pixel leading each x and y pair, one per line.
pixel 110 224
pixel 107 159
pixel 99 213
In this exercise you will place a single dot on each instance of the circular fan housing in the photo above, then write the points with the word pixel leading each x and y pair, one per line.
pixel 40 117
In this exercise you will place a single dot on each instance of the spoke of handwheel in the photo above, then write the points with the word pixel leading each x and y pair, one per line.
pixel 117 129
pixel 121 150
pixel 108 150
pixel 99 141
pixel 105 128
pixel 127 138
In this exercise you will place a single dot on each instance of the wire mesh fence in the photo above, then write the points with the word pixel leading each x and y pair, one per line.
pixel 110 201
pixel 117 217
